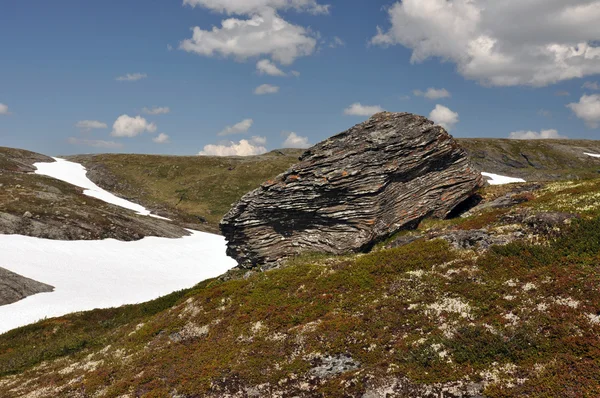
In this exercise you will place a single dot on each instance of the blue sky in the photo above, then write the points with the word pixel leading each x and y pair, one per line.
pixel 61 61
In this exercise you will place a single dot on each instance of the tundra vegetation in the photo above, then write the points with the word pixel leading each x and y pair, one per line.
pixel 517 319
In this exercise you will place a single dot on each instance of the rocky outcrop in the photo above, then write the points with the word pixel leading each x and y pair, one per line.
pixel 19 160
pixel 14 287
pixel 352 190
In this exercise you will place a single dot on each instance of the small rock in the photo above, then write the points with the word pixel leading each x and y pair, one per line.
pixel 333 365
pixel 27 214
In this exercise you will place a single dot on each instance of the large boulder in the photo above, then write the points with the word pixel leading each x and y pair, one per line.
pixel 353 190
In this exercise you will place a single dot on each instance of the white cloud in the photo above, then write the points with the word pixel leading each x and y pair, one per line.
pixel 132 77
pixel 358 109
pixel 254 6
pixel 588 109
pixel 562 93
pixel 162 138
pixel 444 117
pixel 88 125
pixel 294 140
pixel 95 143
pixel 534 135
pixel 433 93
pixel 127 126
pixel 4 109
pixel 264 34
pixel 266 89
pixel 546 41
pixel 295 73
pixel 591 86
pixel 337 42
pixel 251 147
pixel 237 128
pixel 256 140
pixel 157 110
pixel 544 113
pixel 266 67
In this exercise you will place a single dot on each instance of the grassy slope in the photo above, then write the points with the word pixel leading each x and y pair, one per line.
pixel 523 319
pixel 186 188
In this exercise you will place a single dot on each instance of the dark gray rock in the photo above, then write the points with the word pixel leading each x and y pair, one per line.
pixel 403 241
pixel 546 223
pixel 402 387
pixel 477 239
pixel 329 366
pixel 353 190
pixel 14 287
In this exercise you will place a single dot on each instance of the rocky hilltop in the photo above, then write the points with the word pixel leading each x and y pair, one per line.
pixel 352 190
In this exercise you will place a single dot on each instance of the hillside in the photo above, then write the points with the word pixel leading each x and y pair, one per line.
pixel 429 312
pixel 194 190
pixel 501 302
pixel 198 191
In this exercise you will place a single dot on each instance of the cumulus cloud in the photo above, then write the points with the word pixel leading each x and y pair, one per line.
pixel 254 146
pixel 266 67
pixel 444 117
pixel 253 6
pixel 433 93
pixel 294 140
pixel 132 77
pixel 94 143
pixel 587 109
pixel 88 125
pixel 591 86
pixel 162 138
pixel 157 110
pixel 4 109
pixel 358 109
pixel 238 128
pixel 295 73
pixel 544 43
pixel 264 34
pixel 534 135
pixel 127 126
pixel 266 89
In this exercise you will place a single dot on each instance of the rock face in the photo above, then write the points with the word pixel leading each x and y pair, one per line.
pixel 14 287
pixel 352 190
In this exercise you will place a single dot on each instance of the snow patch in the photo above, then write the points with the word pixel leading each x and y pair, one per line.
pixel 106 273
pixel 594 155
pixel 496 179
pixel 76 174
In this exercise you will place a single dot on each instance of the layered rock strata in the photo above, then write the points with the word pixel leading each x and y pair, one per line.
pixel 353 190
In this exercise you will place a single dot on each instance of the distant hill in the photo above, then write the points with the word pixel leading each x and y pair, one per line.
pixel 535 160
